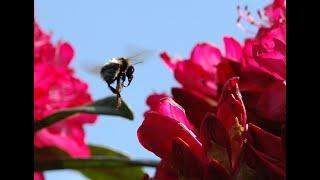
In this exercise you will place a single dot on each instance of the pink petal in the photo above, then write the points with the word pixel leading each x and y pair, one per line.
pixel 154 99
pixel 43 52
pixel 248 61
pixel 275 11
pixel 164 171
pixel 212 130
pixel 280 46
pixel 283 142
pixel 38 176
pixel 272 103
pixel 199 80
pixel 274 55
pixel 266 36
pixel 196 107
pixel 226 70
pixel 206 55
pixel 157 132
pixel 232 115
pixel 267 167
pixel 81 119
pixel 233 49
pixel 64 53
pixel 39 34
pixel 254 80
pixel 67 138
pixel 185 161
pixel 264 141
pixel 168 107
pixel 168 60
pixel 247 49
pixel 273 62
pixel 231 105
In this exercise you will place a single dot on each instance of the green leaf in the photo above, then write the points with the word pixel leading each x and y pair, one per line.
pixel 246 173
pixel 105 163
pixel 219 153
pixel 49 153
pixel 105 106
pixel 122 173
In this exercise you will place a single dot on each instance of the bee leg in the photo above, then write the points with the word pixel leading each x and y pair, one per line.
pixel 129 81
pixel 119 85
pixel 118 89
pixel 123 77
pixel 129 75
pixel 114 91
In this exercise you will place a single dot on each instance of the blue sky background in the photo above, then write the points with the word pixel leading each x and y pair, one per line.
pixel 102 29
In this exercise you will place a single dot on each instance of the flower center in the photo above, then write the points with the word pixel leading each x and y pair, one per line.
pixel 237 130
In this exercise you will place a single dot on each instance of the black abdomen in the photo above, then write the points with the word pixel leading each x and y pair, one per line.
pixel 110 71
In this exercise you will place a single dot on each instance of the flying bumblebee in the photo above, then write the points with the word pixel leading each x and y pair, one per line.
pixel 118 70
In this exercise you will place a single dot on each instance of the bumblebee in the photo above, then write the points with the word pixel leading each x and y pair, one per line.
pixel 117 70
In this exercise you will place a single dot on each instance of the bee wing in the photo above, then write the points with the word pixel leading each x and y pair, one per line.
pixel 93 69
pixel 139 55
pixel 134 55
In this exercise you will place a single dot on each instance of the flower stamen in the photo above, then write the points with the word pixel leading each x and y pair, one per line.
pixel 245 14
pixel 237 130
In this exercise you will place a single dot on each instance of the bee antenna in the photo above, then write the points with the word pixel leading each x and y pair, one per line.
pixel 138 62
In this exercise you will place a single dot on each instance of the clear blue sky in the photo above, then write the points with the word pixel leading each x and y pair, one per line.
pixel 101 29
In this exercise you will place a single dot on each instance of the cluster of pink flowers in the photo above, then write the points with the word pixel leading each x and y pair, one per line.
pixel 56 88
pixel 228 118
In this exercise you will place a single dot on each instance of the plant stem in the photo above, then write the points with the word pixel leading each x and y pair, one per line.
pixel 92 162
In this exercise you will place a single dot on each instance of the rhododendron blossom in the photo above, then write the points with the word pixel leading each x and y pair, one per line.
pixel 166 131
pixel 56 88
pixel 260 63
pixel 228 117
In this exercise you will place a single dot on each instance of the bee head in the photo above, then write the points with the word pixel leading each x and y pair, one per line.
pixel 122 58
pixel 130 71
pixel 129 74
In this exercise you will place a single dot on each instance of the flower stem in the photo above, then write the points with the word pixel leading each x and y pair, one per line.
pixel 92 162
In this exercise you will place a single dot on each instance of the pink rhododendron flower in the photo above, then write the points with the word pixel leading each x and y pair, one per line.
pixel 204 58
pixel 167 132
pixel 201 83
pixel 38 176
pixel 227 129
pixel 56 88
pixel 44 51
pixel 260 63
pixel 262 71
pixel 233 106
pixel 176 125
pixel 219 150
pixel 232 115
